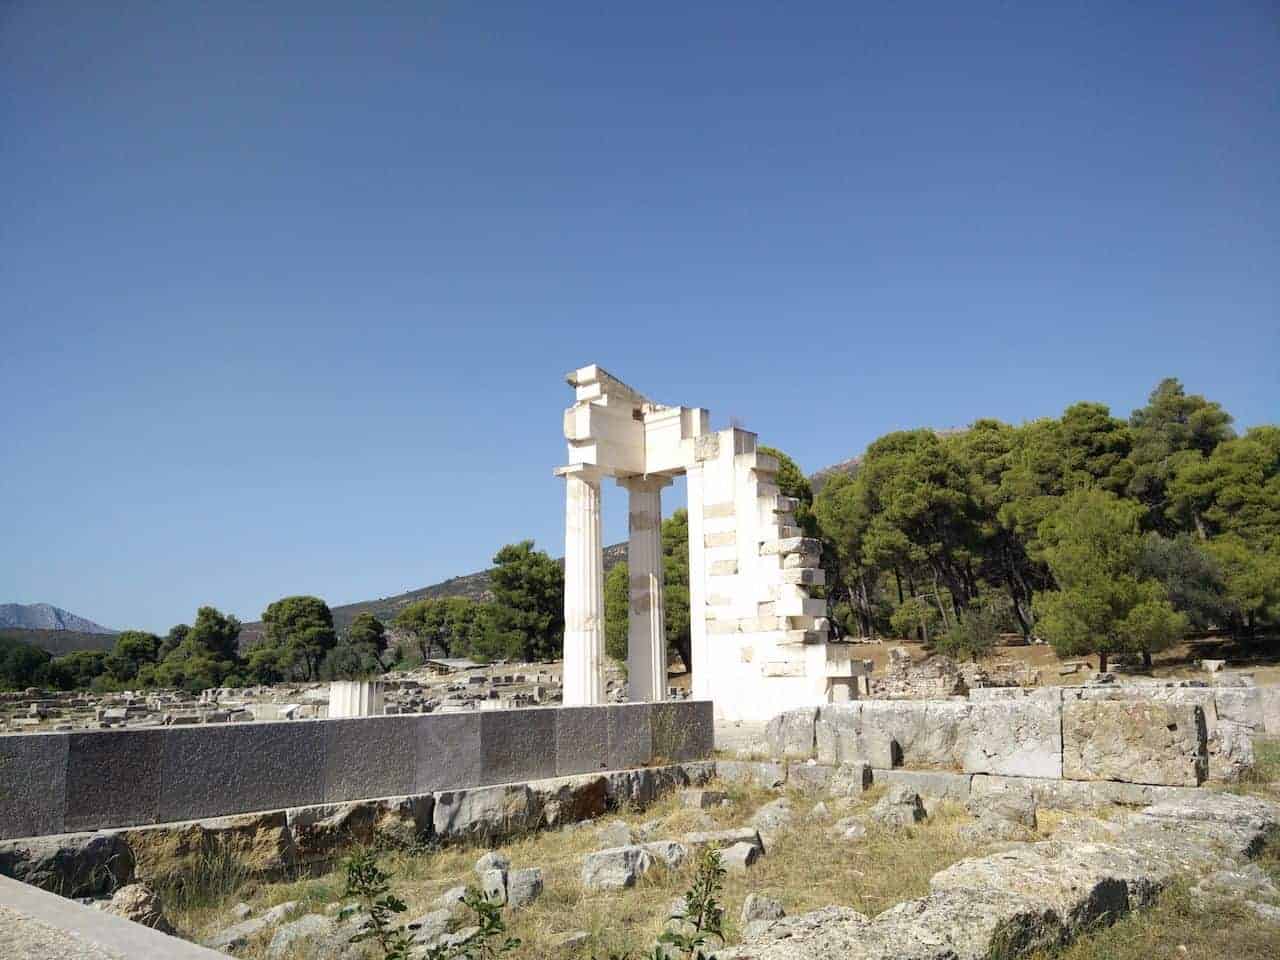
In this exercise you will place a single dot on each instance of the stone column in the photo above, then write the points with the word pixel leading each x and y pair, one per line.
pixel 583 588
pixel 646 632
pixel 356 698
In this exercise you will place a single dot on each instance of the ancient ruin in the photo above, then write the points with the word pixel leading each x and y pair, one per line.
pixel 760 642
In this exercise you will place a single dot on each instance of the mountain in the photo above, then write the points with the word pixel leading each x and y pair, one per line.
pixel 45 616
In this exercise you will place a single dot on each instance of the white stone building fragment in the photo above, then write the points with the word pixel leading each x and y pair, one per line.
pixel 760 642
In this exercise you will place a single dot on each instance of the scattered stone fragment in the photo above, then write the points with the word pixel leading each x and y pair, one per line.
pixel 850 828
pixel 820 811
pixel 280 911
pixel 139 903
pixel 523 887
pixel 430 927
pixel 615 833
pixel 773 817
pixel 759 907
pixel 493 884
pixel 241 911
pixel 493 860
pixel 316 935
pixel 723 838
pixel 450 899
pixel 571 941
pixel 739 857
pixel 900 807
pixel 616 868
pixel 991 828
pixel 237 936
pixel 671 853
pixel 702 799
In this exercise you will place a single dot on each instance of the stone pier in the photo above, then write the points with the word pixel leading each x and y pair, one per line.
pixel 583 588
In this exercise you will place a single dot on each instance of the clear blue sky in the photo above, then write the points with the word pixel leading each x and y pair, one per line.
pixel 287 290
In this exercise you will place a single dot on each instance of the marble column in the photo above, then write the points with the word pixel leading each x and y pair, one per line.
pixel 646 631
pixel 583 588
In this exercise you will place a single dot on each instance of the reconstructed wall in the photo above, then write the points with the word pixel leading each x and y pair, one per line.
pixel 64 782
pixel 1158 734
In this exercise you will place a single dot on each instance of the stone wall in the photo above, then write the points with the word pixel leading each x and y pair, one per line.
pixel 1159 734
pixel 65 782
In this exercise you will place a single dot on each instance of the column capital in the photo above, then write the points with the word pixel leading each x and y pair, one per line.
pixel 645 482
pixel 583 471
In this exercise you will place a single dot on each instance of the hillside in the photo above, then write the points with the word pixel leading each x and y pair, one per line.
pixel 58 642
pixel 45 616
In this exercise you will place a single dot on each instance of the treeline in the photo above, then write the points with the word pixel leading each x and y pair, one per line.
pixel 1102 535
pixel 525 620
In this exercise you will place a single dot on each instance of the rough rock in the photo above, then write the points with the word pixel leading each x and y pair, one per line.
pixel 237 936
pixel 430 927
pixel 669 852
pixel 71 865
pixel 450 899
pixel 1018 738
pixel 493 884
pixel 989 828
pixel 920 734
pixel 739 857
pixel 773 817
pixel 280 911
pixel 723 838
pixel 932 785
pixel 900 807
pixel 759 907
pixel 571 941
pixel 811 777
pixel 242 911
pixel 790 735
pixel 322 938
pixel 616 833
pixel 139 903
pixel 260 842
pixel 485 813
pixel 702 799
pixel 1135 741
pixel 615 869
pixel 851 780
pixel 493 860
pixel 850 828
pixel 762 774
pixel 570 799
pixel 523 886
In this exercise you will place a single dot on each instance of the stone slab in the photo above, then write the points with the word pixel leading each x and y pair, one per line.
pixel 517 745
pixel 928 783
pixel 582 740
pixel 1270 703
pixel 790 735
pixel 446 752
pixel 113 778
pixel 33 784
pixel 630 735
pixel 920 734
pixel 369 757
pixel 1015 737
pixel 682 730
pixel 211 771
pixel 1134 741
pixel 1078 794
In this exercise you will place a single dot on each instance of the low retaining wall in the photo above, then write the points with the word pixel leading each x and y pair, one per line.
pixel 54 783
pixel 1158 734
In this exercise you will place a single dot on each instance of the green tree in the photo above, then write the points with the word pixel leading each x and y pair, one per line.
pixel 1092 544
pixel 133 650
pixel 675 585
pixel 1252 582
pixel 528 587
pixel 351 661
pixel 367 630
pixel 915 617
pixel 78 669
pixel 1236 489
pixel 302 626
pixel 172 640
pixel 215 632
pixel 617 611
pixel 793 483
pixel 852 576
pixel 22 665
pixel 1191 577
pixel 974 636
pixel 446 624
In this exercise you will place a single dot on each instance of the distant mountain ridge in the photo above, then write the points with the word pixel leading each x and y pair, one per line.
pixel 45 616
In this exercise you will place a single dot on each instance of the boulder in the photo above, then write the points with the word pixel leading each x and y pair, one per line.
pixel 899 807
pixel 615 833
pixel 237 936
pixel 430 927
pixel 523 887
pixel 616 868
pixel 316 936
pixel 493 860
pixel 767 775
pixel 790 735
pixel 669 852
pixel 139 903
pixel 773 817
pixel 71 865
pixel 493 884
pixel 1134 741
pixel 570 799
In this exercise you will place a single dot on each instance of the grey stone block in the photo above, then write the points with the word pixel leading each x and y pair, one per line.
pixel 447 751
pixel 213 771
pixel 517 745
pixel 368 757
pixel 630 735
pixel 33 784
pixel 928 783
pixel 683 730
pixel 113 778
pixel 582 740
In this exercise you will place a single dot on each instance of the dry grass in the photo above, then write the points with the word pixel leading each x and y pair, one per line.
pixel 805 867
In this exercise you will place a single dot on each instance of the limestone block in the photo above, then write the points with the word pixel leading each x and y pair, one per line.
pixel 795 561
pixel 767 775
pixel 570 799
pixel 811 777
pixel 211 771
pixel 917 734
pixel 138 903
pixel 808 546
pixel 1240 705
pixel 517 745
pixel 804 576
pixel 1074 794
pixel 1018 738
pixel 720 839
pixel 933 785
pixel 668 852
pixel 369 757
pixel 484 814
pixel 113 778
pixel 260 842
pixel 1270 704
pixel 616 868
pixel 582 740
pixel 1134 741
pixel 33 784
pixel 682 730
pixel 740 857
pixel 791 734
pixel 447 752
pixel 722 568
pixel 523 887
pixel 629 728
